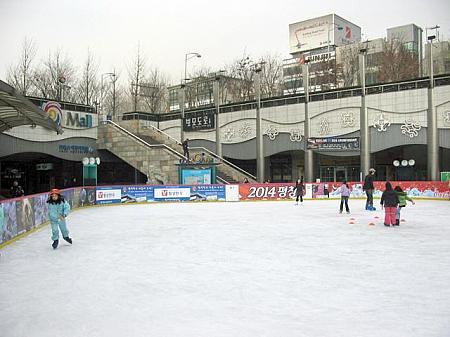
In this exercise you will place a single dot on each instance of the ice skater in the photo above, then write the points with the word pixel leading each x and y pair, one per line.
pixel 402 197
pixel 345 194
pixel 299 188
pixel 368 187
pixel 58 210
pixel 389 200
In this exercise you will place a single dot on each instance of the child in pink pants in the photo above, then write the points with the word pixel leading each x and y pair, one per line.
pixel 389 200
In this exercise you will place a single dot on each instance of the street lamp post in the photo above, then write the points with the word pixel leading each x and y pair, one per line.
pixel 102 92
pixel 90 170
pixel 432 130
pixel 259 134
pixel 216 90
pixel 187 57
pixel 363 119
pixel 309 158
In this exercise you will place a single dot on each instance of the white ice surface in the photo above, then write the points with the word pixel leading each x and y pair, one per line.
pixel 232 269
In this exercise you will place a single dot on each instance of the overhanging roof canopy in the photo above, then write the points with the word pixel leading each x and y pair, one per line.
pixel 17 110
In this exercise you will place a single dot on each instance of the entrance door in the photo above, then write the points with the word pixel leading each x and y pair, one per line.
pixel 341 174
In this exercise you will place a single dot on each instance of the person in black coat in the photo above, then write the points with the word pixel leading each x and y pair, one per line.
pixel 389 199
pixel 16 190
pixel 299 188
pixel 369 187
pixel 185 145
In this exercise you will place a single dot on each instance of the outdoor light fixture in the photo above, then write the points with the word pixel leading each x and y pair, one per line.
pixel 396 163
pixel 404 162
pixel 411 162
pixel 85 161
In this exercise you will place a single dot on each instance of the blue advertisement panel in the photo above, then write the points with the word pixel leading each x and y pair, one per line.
pixel 208 192
pixel 196 177
pixel 108 195
pixel 137 194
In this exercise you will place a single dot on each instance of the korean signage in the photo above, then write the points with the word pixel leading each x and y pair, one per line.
pixel 172 193
pixel 199 120
pixel 108 195
pixel 71 148
pixel 333 144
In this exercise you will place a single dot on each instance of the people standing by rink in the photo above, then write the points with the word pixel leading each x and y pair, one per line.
pixel 344 189
pixel 16 190
pixel 389 200
pixel 299 189
pixel 368 187
pixel 58 209
pixel 402 197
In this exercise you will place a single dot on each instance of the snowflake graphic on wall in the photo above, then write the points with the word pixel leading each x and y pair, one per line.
pixel 229 134
pixel 411 128
pixel 272 132
pixel 324 126
pixel 382 123
pixel 295 136
pixel 245 130
pixel 347 119
pixel 446 116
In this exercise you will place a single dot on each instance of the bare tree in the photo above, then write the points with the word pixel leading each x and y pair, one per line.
pixel 347 67
pixel 88 88
pixel 56 77
pixel 20 76
pixel 397 63
pixel 241 88
pixel 271 75
pixel 154 91
pixel 136 74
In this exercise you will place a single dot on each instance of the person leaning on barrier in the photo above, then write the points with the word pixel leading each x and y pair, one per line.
pixel 185 145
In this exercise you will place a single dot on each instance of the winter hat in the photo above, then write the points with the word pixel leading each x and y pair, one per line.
pixel 55 191
pixel 372 170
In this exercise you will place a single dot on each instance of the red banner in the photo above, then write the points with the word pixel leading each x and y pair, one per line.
pixel 279 191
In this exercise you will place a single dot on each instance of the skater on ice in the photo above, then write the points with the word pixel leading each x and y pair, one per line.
pixel 299 188
pixel 344 189
pixel 402 198
pixel 58 209
pixel 368 187
pixel 389 200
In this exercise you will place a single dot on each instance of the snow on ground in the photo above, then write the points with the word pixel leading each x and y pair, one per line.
pixel 232 269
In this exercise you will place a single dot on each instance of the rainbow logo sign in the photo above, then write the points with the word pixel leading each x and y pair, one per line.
pixel 53 109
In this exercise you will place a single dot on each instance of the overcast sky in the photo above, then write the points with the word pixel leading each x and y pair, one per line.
pixel 166 30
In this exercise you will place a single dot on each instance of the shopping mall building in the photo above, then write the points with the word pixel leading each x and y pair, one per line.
pixel 401 129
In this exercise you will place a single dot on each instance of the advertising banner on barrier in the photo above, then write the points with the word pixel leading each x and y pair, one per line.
pixel 142 193
pixel 422 189
pixel 171 193
pixel 266 191
pixel 108 195
pixel 208 192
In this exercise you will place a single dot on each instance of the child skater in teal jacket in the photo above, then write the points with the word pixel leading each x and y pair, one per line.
pixel 58 210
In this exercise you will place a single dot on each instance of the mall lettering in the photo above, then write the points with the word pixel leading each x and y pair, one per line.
pixel 74 120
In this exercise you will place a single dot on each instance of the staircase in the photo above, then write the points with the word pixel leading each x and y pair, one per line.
pixel 156 154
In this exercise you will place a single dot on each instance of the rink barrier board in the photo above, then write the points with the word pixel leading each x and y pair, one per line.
pixel 24 215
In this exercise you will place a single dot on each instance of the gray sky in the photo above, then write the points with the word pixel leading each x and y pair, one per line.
pixel 167 30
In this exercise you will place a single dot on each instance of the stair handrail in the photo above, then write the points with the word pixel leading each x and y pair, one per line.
pixel 203 149
pixel 132 135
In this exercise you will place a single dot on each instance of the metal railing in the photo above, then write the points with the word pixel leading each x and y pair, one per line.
pixel 203 149
pixel 178 154
pixel 140 140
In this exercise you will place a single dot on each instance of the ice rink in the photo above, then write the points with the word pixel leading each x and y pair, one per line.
pixel 232 269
